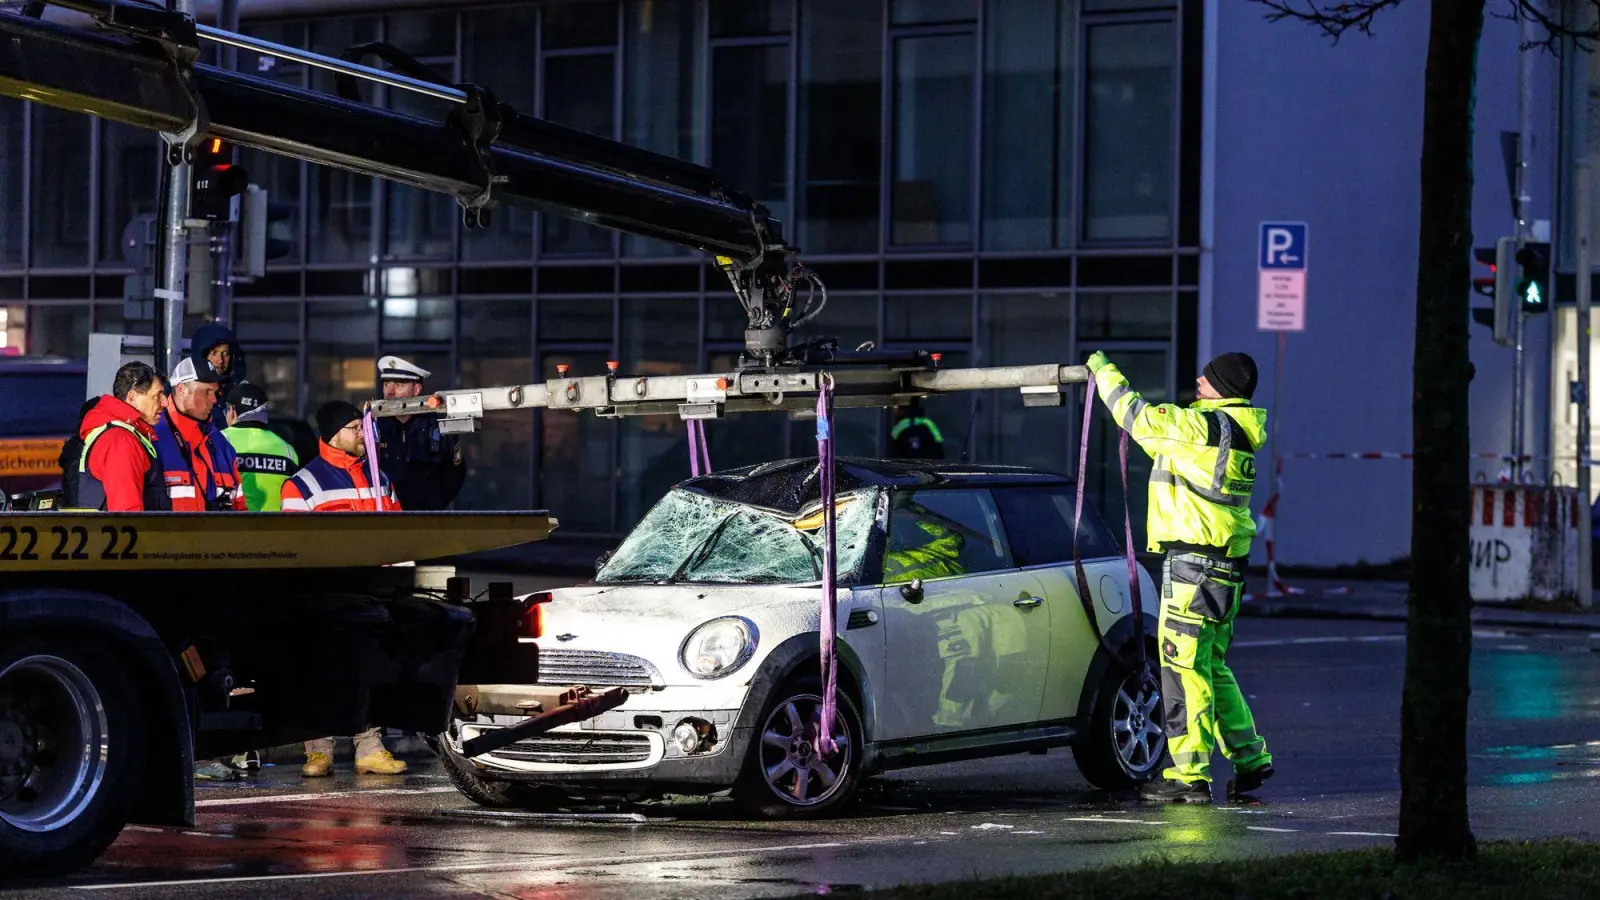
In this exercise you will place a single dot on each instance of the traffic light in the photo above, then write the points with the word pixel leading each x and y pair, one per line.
pixel 1484 284
pixel 1533 281
pixel 266 231
pixel 1497 285
pixel 214 180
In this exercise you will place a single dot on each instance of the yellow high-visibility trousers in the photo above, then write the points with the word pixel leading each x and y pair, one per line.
pixel 1201 700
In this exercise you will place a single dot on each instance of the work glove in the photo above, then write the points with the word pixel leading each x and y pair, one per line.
pixel 1098 361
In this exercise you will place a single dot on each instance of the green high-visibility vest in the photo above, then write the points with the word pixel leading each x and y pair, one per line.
pixel 1205 464
pixel 265 463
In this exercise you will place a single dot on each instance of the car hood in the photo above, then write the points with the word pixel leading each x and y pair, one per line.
pixel 661 605
pixel 652 621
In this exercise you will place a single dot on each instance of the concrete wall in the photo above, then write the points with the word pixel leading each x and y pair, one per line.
pixel 1332 135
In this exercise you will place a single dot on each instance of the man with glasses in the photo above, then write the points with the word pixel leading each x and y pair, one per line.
pixel 336 481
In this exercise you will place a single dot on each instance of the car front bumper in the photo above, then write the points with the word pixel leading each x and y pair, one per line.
pixel 616 748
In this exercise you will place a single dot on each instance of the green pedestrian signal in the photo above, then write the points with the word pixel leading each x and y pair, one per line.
pixel 1533 281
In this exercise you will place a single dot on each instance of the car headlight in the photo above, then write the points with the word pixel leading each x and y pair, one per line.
pixel 719 647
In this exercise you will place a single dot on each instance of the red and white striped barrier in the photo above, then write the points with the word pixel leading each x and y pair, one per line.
pixel 1525 542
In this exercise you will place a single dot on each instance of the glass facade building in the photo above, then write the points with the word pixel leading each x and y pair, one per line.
pixel 1001 181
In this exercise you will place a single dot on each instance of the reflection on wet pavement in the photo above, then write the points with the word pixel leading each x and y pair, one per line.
pixel 1329 709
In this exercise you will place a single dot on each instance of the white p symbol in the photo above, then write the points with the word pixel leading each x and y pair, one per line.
pixel 1279 240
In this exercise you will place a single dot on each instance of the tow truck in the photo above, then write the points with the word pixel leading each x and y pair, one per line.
pixel 132 643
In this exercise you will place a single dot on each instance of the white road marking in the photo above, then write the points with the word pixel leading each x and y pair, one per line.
pixel 1099 819
pixel 465 867
pixel 1364 834
pixel 1363 639
pixel 323 795
pixel 1275 830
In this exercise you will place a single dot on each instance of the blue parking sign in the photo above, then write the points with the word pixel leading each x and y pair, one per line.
pixel 1283 245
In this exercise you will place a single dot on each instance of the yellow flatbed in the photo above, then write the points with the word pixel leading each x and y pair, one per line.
pixel 72 542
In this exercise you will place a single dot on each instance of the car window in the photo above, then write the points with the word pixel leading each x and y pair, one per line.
pixel 1039 524
pixel 941 533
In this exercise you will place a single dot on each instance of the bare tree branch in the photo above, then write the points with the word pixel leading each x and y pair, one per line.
pixel 1551 31
pixel 1333 19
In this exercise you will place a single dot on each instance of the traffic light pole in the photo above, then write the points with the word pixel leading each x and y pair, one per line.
pixel 1583 228
pixel 226 239
pixel 171 282
pixel 1524 153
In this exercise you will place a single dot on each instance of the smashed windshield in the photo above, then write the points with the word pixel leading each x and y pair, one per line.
pixel 689 537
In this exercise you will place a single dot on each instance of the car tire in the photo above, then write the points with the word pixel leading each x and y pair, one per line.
pixel 761 793
pixel 484 791
pixel 1126 745
pixel 61 806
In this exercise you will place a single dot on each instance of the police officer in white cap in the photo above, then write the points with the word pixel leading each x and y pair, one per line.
pixel 424 465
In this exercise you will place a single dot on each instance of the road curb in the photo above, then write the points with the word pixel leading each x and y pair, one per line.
pixel 1531 620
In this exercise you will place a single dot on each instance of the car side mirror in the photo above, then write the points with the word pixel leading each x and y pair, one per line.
pixel 601 562
pixel 912 592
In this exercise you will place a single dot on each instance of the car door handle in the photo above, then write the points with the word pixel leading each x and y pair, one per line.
pixel 1028 601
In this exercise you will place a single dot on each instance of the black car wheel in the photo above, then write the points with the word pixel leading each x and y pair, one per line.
pixel 1126 744
pixel 786 774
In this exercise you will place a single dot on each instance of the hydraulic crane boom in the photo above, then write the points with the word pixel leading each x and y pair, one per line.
pixel 139 65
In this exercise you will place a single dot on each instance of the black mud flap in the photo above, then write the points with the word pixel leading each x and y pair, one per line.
pixel 414 686
pixel 494 653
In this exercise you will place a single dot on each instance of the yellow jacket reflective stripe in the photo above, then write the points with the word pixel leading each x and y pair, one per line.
pixel 1204 468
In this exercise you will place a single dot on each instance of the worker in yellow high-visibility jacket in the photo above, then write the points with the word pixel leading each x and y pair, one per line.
pixel 1200 518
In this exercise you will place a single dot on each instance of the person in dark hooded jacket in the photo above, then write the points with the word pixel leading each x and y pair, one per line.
pixel 217 345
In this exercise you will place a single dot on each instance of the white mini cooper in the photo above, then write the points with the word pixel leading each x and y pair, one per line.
pixel 961 636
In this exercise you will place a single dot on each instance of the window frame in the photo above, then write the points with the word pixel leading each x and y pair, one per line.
pixel 1091 520
pixel 1088 21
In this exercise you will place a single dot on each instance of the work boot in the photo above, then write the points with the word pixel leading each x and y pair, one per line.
pixel 380 763
pixel 1249 782
pixel 212 770
pixel 317 765
pixel 1168 791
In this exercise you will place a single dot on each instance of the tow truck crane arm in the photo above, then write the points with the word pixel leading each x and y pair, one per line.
pixel 140 66
pixel 141 70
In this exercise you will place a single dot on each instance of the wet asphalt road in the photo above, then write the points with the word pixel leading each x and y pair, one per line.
pixel 1325 693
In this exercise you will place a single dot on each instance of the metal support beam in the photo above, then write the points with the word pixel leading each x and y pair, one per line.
pixel 712 395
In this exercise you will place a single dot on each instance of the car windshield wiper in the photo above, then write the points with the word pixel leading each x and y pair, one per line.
pixel 702 551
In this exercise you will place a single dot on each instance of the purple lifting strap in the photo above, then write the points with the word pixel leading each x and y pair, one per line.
pixel 699 449
pixel 830 603
pixel 1127 538
pixel 369 437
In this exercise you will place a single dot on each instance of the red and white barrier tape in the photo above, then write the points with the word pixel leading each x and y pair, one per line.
pixel 1276 586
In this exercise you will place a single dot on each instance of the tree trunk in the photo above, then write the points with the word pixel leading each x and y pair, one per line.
pixel 1433 713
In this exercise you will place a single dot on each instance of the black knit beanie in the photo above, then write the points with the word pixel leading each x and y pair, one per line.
pixel 334 416
pixel 1233 375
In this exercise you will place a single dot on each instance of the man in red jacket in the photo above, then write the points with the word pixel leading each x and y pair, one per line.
pixel 337 480
pixel 198 464
pixel 118 469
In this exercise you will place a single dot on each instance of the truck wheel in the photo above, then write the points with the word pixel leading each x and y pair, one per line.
pixel 470 781
pixel 785 775
pixel 1126 743
pixel 73 744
